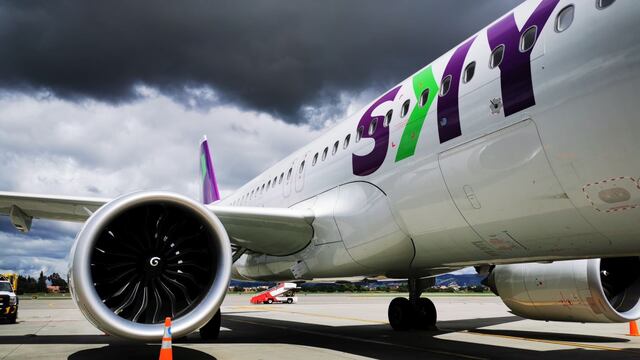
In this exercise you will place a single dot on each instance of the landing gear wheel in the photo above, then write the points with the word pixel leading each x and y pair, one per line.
pixel 426 316
pixel 289 301
pixel 401 314
pixel 270 301
pixel 212 329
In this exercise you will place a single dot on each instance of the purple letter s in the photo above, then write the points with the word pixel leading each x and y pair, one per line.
pixel 368 164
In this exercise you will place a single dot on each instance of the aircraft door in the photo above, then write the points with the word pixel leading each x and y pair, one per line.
pixel 299 170
pixel 288 180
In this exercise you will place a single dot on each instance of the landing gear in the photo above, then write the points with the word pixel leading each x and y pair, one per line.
pixel 415 312
pixel 401 314
pixel 212 329
pixel 426 316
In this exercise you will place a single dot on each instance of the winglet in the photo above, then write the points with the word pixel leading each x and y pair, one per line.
pixel 210 191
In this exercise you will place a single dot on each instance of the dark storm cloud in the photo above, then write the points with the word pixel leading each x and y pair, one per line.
pixel 276 56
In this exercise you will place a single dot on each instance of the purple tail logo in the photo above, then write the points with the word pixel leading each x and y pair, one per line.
pixel 210 191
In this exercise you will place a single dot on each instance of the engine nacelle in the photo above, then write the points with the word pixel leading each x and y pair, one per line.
pixel 146 256
pixel 593 290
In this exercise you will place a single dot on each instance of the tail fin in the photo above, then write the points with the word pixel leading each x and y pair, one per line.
pixel 209 183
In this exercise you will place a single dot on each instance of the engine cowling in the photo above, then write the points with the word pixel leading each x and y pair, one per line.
pixel 146 256
pixel 590 290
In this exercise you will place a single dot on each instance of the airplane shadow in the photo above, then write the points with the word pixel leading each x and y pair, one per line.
pixel 456 339
pixel 381 342
pixel 137 351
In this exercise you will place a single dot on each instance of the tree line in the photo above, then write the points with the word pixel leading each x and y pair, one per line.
pixel 28 284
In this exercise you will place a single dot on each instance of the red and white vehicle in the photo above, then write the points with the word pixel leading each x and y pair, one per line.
pixel 282 293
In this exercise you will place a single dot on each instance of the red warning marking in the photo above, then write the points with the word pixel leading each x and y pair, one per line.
pixel 616 209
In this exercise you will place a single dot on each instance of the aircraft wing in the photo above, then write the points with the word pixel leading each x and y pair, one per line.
pixel 65 208
pixel 273 231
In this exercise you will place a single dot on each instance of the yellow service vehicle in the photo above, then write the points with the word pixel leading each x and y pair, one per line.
pixel 8 297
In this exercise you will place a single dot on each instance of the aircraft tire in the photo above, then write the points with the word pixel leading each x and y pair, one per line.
pixel 426 315
pixel 401 314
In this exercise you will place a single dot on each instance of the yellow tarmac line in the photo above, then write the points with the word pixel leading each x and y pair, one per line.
pixel 439 352
pixel 310 314
pixel 554 342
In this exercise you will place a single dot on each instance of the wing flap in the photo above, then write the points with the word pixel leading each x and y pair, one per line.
pixel 65 208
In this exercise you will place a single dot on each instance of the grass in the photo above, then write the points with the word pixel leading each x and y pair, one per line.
pixel 44 296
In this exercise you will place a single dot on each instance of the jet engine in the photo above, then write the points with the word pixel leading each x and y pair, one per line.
pixel 146 256
pixel 590 290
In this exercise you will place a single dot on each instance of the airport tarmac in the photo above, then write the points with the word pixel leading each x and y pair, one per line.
pixel 344 326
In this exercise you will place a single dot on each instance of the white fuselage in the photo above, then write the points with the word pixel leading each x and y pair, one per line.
pixel 557 179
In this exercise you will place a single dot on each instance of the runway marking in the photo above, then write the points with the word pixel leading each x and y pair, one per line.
pixel 554 342
pixel 311 314
pixel 352 338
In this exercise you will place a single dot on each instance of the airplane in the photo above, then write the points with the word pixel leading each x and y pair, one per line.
pixel 516 152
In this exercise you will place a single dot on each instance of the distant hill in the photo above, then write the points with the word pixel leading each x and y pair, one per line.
pixel 464 280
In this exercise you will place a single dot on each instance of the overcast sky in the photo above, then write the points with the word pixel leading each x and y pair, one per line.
pixel 107 97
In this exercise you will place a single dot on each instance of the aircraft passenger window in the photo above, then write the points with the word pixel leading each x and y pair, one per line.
pixel 301 167
pixel 528 39
pixel 372 126
pixel 262 190
pixel 424 97
pixel 496 56
pixel 289 173
pixel 315 160
pixel 469 71
pixel 564 19
pixel 359 133
pixel 252 193
pixel 268 184
pixel 335 148
pixel 346 141
pixel 324 153
pixel 274 181
pixel 281 177
pixel 601 4
pixel 405 108
pixel 387 118
pixel 445 86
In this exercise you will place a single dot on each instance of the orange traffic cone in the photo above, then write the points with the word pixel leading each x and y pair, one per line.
pixel 633 329
pixel 165 350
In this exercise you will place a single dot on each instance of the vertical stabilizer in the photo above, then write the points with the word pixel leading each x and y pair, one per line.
pixel 209 183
